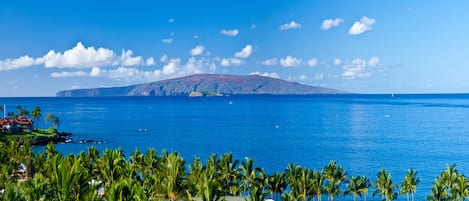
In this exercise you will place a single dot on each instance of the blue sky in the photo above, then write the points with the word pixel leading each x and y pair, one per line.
pixel 358 46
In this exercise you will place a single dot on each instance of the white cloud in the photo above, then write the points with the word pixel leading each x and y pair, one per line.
pixel 231 62
pixel 167 40
pixel 150 61
pixel 21 62
pixel 233 32
pixel 245 52
pixel 171 20
pixel 164 58
pixel 79 57
pixel 365 24
pixel 337 61
pixel 128 60
pixel 290 61
pixel 318 76
pixel 291 25
pixel 68 74
pixel 329 23
pixel 270 62
pixel 95 72
pixel 373 61
pixel 312 62
pixel 171 66
pixel 359 68
pixel 198 50
pixel 266 74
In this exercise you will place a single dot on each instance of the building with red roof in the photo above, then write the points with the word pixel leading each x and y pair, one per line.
pixel 17 124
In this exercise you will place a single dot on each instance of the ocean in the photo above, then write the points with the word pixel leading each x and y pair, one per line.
pixel 363 133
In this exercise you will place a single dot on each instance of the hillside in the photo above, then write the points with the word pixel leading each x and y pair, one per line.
pixel 223 84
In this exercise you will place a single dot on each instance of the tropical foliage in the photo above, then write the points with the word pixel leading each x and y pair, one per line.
pixel 109 175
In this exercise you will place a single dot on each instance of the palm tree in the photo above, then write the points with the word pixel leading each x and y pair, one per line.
pixel 448 178
pixel 438 192
pixel 229 172
pixel 18 108
pixel 69 179
pixel 384 186
pixel 292 174
pixel 37 188
pixel 353 187
pixel 364 186
pixel 53 120
pixel 37 115
pixel 112 166
pixel 24 112
pixel 277 184
pixel 173 175
pixel 335 175
pixel 13 192
pixel 317 184
pixel 126 189
pixel 249 174
pixel 461 188
pixel 409 185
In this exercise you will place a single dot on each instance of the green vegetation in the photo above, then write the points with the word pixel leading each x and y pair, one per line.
pixel 107 175
pixel 31 134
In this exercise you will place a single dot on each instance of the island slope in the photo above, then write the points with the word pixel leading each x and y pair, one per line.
pixel 223 84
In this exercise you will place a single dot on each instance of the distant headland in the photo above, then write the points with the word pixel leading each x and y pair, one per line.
pixel 211 84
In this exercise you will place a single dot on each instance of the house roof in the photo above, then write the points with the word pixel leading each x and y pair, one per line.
pixel 6 121
pixel 18 120
pixel 23 120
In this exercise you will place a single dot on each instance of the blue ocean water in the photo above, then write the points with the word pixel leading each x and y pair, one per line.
pixel 361 132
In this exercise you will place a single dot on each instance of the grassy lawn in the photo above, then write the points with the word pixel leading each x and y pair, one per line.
pixel 36 133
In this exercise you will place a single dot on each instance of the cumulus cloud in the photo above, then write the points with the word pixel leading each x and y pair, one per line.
pixel 291 25
pixel 266 74
pixel 270 62
pixel 68 74
pixel 231 62
pixel 365 24
pixel 197 50
pixel 173 67
pixel 312 62
pixel 164 58
pixel 79 57
pixel 95 72
pixel 245 52
pixel 373 61
pixel 290 61
pixel 127 59
pixel 329 23
pixel 359 68
pixel 150 61
pixel 167 40
pixel 337 61
pixel 233 32
pixel 21 62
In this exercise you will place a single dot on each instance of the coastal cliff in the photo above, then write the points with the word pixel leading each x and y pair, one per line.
pixel 223 84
